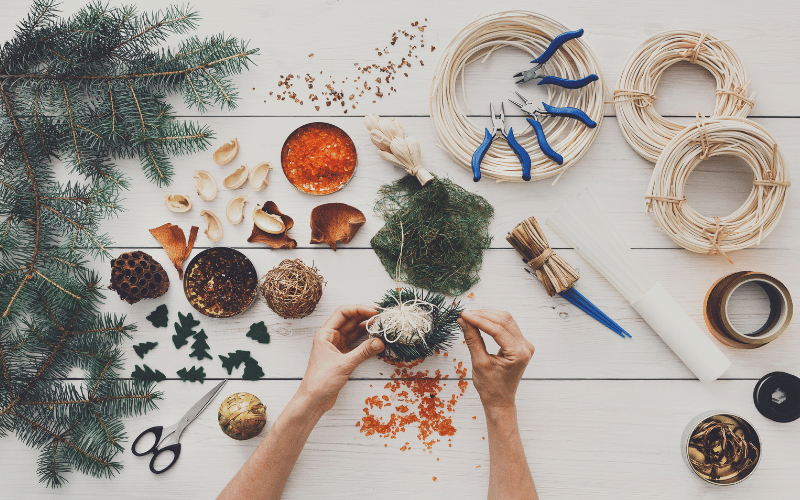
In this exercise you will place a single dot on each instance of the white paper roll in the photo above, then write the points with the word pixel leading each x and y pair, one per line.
pixel 681 334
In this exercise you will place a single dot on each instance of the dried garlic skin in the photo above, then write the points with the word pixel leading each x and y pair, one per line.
pixel 227 152
pixel 259 176
pixel 234 210
pixel 268 223
pixel 237 178
pixel 214 231
pixel 205 184
pixel 178 203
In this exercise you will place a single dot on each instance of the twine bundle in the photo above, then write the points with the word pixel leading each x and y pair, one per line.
pixel 401 150
pixel 758 215
pixel 647 131
pixel 530 33
pixel 550 269
pixel 292 289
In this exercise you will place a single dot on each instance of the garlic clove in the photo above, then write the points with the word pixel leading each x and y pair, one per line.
pixel 237 178
pixel 214 231
pixel 259 176
pixel 178 203
pixel 227 152
pixel 268 223
pixel 205 184
pixel 234 210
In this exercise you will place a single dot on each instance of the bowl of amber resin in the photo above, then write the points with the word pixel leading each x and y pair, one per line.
pixel 220 282
pixel 319 158
pixel 721 448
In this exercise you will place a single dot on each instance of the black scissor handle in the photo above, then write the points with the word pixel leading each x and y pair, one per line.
pixel 155 431
pixel 176 452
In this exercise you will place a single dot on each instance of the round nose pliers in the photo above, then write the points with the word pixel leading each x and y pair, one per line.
pixel 534 72
pixel 498 125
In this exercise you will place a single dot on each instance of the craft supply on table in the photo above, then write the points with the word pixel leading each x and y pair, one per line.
pixel 259 176
pixel 536 72
pixel 532 33
pixel 777 397
pixel 413 324
pixel 172 434
pixel 159 317
pixel 581 223
pixel 258 332
pixel 643 127
pixel 292 289
pixel 242 416
pixel 717 310
pixel 553 272
pixel 252 370
pixel 193 374
pixel 748 225
pixel 498 125
pixel 332 223
pixel 184 329
pixel 277 225
pixel 237 178
pixel 143 348
pixel 205 185
pixel 721 448
pixel 214 225
pixel 178 203
pixel 147 374
pixel 136 276
pixel 220 282
pixel 395 147
pixel 234 209
pixel 318 158
pixel 173 240
pixel 227 152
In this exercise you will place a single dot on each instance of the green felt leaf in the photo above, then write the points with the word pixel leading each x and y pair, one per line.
pixel 184 330
pixel 200 346
pixel 234 359
pixel 252 371
pixel 193 374
pixel 258 332
pixel 159 317
pixel 144 348
pixel 147 374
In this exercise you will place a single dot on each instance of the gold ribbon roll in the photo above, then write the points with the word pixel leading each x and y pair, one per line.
pixel 717 314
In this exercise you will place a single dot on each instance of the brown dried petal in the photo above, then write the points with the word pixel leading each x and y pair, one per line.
pixel 274 240
pixel 173 240
pixel 335 222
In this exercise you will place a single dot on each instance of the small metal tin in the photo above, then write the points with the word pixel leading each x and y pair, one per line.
pixel 311 129
pixel 201 290
pixel 722 416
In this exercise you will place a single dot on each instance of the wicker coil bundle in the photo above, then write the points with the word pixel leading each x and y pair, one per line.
pixel 136 276
pixel 292 289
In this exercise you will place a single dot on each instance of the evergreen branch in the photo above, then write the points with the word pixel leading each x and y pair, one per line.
pixel 61 439
pixel 69 112
pixel 85 401
pixel 222 90
pixel 78 227
pixel 144 132
pixel 36 114
pixel 100 377
pixel 113 113
pixel 5 372
pixel 77 297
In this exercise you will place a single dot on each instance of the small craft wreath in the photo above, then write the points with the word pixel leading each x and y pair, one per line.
pixel 750 223
pixel 531 33
pixel 643 127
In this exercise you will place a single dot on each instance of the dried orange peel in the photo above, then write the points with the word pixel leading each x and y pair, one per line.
pixel 335 222
pixel 173 240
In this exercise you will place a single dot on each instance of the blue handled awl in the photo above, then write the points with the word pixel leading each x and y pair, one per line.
pixel 565 112
pixel 498 125
pixel 534 72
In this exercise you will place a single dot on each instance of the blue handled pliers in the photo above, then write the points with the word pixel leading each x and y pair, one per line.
pixel 533 73
pixel 498 125
pixel 565 112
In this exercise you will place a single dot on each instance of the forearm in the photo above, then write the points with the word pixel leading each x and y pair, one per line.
pixel 265 473
pixel 509 474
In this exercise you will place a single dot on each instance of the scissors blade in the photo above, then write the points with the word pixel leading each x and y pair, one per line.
pixel 197 409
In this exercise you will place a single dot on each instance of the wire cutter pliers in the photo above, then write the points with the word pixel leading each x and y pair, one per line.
pixel 533 73
pixel 498 126
pixel 565 112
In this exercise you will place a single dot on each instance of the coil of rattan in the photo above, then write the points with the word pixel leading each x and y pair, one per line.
pixel 755 219
pixel 643 127
pixel 530 33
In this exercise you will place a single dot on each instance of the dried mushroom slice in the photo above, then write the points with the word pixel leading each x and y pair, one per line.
pixel 335 222
pixel 227 152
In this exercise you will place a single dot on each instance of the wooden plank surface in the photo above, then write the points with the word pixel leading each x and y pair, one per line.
pixel 601 417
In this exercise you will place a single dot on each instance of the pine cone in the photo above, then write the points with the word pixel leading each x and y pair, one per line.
pixel 136 276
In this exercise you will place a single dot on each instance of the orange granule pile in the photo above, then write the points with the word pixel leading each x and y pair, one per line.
pixel 416 399
pixel 318 158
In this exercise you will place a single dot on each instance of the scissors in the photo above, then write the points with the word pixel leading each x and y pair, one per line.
pixel 174 431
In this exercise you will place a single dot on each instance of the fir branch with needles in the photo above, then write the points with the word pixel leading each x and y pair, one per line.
pixel 79 93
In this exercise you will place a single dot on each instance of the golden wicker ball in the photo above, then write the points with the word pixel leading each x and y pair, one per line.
pixel 292 289
pixel 242 416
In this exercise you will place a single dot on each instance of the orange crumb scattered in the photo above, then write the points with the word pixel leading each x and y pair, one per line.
pixel 434 478
pixel 471 295
pixel 483 437
pixel 477 466
pixel 474 417
pixel 437 459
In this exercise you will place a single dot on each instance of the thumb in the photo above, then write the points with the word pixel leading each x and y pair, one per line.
pixel 363 352
pixel 475 344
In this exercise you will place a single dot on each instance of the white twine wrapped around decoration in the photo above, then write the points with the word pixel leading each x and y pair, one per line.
pixel 407 322
pixel 402 151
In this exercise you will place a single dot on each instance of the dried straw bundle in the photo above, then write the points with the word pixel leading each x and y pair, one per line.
pixel 552 271
pixel 292 289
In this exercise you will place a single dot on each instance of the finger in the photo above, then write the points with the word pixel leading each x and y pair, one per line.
pixel 475 344
pixel 343 314
pixel 498 332
pixel 363 352
pixel 352 333
pixel 502 318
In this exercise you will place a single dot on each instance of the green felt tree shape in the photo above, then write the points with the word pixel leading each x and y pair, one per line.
pixel 184 329
pixel 252 371
pixel 144 348
pixel 83 91
pixel 200 346
pixel 147 374
pixel 258 332
pixel 160 317
pixel 193 374
pixel 234 359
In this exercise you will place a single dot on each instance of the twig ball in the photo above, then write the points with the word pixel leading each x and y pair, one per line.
pixel 242 416
pixel 292 289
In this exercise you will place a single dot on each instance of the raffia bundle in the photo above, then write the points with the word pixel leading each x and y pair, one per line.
pixel 395 147
pixel 549 268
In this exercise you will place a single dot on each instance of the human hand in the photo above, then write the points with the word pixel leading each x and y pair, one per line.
pixel 332 361
pixel 496 376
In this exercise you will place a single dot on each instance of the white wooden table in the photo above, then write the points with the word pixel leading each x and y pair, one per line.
pixel 600 417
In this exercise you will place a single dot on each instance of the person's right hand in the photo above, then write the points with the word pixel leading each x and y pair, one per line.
pixel 496 376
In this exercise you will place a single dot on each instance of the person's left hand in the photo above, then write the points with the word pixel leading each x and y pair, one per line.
pixel 331 361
